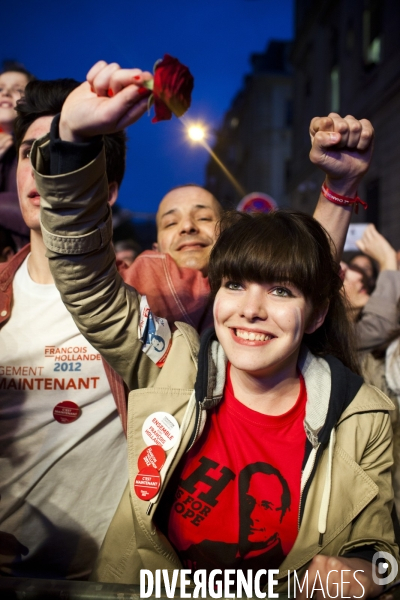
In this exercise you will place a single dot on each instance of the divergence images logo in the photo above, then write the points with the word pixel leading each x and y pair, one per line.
pixel 382 562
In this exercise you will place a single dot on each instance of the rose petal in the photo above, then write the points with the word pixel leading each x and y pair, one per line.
pixel 162 112
pixel 173 85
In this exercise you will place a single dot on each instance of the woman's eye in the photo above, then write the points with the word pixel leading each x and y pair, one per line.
pixel 233 285
pixel 281 291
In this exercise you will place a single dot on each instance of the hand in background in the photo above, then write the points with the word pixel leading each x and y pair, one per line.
pixel 377 247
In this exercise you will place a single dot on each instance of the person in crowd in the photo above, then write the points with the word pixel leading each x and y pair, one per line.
pixel 366 263
pixel 375 314
pixel 127 251
pixel 62 448
pixel 376 318
pixel 279 367
pixel 12 85
pixel 7 245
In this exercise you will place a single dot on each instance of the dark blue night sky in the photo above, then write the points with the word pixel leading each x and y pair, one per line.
pixel 213 37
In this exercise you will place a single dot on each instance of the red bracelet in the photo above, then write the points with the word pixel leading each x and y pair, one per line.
pixel 342 200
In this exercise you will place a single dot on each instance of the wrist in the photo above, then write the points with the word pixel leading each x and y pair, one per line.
pixel 341 199
pixel 67 134
pixel 344 187
pixel 389 263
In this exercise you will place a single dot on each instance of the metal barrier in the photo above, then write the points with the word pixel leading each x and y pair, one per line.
pixel 15 588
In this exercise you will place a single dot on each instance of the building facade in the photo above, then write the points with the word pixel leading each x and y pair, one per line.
pixel 254 142
pixel 346 58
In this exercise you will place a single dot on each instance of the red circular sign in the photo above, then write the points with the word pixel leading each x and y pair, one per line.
pixel 257 202
pixel 66 412
pixel 147 483
pixel 152 456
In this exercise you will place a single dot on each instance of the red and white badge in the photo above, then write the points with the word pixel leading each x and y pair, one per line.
pixel 152 456
pixel 147 483
pixel 160 429
pixel 66 412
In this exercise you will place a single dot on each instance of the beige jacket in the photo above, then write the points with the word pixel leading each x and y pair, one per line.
pixel 346 484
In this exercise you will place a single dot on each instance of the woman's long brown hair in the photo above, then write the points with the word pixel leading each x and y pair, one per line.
pixel 287 246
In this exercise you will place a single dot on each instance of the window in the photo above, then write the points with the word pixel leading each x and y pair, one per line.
pixel 372 32
pixel 335 89
pixel 335 71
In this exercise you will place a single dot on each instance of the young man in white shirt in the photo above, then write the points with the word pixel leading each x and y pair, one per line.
pixel 63 466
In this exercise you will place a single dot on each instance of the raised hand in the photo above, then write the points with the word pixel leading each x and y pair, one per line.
pixel 342 148
pixel 376 246
pixel 109 100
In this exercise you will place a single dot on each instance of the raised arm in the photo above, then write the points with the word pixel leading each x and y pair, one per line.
pixel 76 219
pixel 342 148
pixel 380 317
pixel 377 247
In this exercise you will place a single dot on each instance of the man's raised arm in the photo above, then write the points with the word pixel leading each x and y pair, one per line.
pixel 342 148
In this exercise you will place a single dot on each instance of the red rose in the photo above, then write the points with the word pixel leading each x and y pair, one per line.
pixel 172 89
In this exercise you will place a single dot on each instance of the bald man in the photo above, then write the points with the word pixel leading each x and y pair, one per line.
pixel 186 220
pixel 173 276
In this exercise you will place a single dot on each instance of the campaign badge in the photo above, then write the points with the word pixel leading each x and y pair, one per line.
pixel 152 456
pixel 66 412
pixel 160 429
pixel 147 483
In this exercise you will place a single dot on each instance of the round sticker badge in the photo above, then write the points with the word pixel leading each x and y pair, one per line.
pixel 66 412
pixel 147 483
pixel 152 456
pixel 161 429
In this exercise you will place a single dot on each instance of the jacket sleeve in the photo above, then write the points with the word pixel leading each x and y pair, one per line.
pixel 380 317
pixel 77 231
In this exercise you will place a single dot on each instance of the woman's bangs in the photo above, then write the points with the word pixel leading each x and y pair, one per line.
pixel 266 255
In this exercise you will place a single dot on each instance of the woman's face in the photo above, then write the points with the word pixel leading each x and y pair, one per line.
pixel 364 263
pixel 12 86
pixel 261 326
pixel 354 287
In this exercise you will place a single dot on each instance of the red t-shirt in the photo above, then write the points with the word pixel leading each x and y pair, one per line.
pixel 237 502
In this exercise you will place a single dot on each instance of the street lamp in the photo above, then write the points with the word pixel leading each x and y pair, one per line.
pixel 196 133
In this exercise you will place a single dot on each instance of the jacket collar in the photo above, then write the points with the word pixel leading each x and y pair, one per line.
pixel 8 269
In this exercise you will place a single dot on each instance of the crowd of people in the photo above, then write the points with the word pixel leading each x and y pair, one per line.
pixel 126 441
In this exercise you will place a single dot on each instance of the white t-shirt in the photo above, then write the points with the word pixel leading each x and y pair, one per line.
pixel 59 483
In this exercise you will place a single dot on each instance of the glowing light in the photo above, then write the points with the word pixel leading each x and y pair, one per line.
pixel 196 133
pixel 199 133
